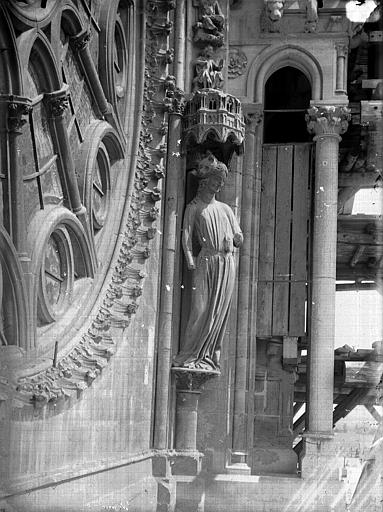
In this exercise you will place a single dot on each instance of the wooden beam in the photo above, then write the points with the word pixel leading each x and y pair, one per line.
pixel 357 254
pixel 352 287
pixel 360 179
pixel 359 238
pixel 359 272
pixel 374 413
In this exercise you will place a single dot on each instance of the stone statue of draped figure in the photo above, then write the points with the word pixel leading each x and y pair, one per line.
pixel 210 234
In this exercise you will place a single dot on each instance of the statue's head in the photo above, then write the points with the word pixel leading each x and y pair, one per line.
pixel 211 173
pixel 209 165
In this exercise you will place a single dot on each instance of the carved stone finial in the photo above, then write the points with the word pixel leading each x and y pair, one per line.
pixel 80 42
pixel 328 120
pixel 16 111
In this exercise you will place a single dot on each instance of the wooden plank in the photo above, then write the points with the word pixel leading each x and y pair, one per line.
pixel 282 241
pixel 298 288
pixel 266 242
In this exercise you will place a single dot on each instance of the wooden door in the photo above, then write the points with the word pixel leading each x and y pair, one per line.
pixel 284 240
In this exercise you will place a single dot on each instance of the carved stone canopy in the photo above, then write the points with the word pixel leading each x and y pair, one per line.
pixel 213 112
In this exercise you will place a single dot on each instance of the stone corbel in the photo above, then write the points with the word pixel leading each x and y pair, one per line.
pixel 272 15
pixel 311 16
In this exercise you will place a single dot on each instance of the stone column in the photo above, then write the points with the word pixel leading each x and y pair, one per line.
pixel 252 113
pixel 80 44
pixel 341 54
pixel 170 246
pixel 57 103
pixel 175 169
pixel 17 108
pixel 327 123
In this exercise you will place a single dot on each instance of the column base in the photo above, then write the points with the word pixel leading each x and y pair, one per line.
pixel 238 464
pixel 322 456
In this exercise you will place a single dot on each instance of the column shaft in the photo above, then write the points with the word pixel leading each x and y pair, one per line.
pixel 240 441
pixel 169 251
pixel 16 183
pixel 327 122
pixel 323 284
pixel 80 45
pixel 58 102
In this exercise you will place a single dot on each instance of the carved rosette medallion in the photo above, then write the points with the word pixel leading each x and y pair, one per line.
pixel 328 120
pixel 237 63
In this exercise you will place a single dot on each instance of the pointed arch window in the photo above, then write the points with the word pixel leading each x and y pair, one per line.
pixel 287 97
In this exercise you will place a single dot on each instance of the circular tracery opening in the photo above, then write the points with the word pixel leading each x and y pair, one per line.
pixel 56 277
pixel 287 97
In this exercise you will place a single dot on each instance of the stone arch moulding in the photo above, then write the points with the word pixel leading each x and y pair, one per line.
pixel 270 61
pixel 71 20
pixel 27 15
pixel 9 260
pixel 10 75
pixel 45 223
pixel 101 139
pixel 35 40
pixel 116 52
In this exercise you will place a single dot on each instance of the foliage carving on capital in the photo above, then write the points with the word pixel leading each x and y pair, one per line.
pixel 253 115
pixel 16 111
pixel 328 120
pixel 80 42
pixel 341 49
pixel 58 105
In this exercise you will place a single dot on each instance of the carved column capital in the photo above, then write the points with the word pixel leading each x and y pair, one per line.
pixel 341 49
pixel 253 115
pixel 328 120
pixel 16 110
pixel 57 103
pixel 80 41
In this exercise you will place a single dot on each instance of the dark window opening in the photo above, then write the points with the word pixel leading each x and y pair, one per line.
pixel 287 97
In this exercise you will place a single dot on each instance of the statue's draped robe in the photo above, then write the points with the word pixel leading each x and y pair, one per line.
pixel 213 226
